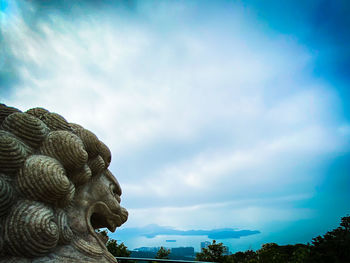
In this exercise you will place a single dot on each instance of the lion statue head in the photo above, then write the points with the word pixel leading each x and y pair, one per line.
pixel 55 190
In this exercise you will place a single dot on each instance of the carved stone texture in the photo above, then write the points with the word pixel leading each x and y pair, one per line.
pixel 55 190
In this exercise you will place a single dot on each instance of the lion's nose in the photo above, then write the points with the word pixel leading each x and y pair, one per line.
pixel 124 214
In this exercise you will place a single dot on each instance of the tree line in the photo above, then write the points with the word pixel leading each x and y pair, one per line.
pixel 332 247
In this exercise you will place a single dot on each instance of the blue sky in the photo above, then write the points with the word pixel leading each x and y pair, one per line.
pixel 219 114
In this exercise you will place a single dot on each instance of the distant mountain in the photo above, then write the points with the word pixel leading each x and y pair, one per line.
pixel 151 231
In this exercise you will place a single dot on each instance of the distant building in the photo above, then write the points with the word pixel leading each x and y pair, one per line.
pixel 205 244
pixel 183 251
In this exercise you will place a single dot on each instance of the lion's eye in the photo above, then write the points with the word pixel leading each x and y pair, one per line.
pixel 114 192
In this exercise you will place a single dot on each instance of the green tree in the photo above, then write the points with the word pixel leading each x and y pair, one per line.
pixel 214 253
pixel 103 235
pixel 163 253
pixel 270 253
pixel 112 246
pixel 118 250
pixel 301 254
pixel 248 256
pixel 334 246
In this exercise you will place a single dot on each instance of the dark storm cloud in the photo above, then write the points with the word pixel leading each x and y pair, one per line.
pixel 153 230
pixel 321 25
pixel 71 10
pixel 36 12
pixel 66 6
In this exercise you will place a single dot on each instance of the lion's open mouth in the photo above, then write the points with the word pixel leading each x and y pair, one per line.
pixel 99 221
pixel 102 217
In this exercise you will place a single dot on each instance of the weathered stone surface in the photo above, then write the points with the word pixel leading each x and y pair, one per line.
pixel 55 190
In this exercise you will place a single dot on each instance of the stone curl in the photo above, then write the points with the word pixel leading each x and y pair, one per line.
pixel 46 171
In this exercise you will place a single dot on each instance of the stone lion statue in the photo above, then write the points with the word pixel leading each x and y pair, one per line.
pixel 55 190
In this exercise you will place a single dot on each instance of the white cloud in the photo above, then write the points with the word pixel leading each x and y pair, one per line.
pixel 136 85
pixel 247 169
pixel 247 214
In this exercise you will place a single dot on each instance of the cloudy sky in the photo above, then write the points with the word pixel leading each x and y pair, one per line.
pixel 219 114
